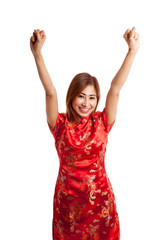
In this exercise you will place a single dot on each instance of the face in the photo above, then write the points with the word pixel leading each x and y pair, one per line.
pixel 85 102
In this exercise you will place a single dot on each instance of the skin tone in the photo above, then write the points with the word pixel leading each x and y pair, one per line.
pixel 133 42
pixel 36 42
pixel 85 102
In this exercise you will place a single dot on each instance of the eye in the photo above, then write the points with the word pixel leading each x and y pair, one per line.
pixel 81 96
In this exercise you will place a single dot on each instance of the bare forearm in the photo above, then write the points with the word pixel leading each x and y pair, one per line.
pixel 121 76
pixel 44 75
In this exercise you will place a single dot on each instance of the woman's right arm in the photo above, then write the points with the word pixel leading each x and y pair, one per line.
pixel 36 43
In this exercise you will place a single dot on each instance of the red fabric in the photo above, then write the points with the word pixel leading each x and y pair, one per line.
pixel 84 205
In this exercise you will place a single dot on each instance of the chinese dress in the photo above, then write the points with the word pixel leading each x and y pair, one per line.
pixel 84 205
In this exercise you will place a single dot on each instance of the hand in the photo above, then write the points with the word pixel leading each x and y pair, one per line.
pixel 132 39
pixel 37 41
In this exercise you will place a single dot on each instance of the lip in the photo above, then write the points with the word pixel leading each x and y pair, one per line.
pixel 84 111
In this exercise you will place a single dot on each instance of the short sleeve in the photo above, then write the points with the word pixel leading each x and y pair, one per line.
pixel 103 120
pixel 60 123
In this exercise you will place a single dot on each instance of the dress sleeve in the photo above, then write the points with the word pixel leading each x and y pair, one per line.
pixel 60 122
pixel 104 121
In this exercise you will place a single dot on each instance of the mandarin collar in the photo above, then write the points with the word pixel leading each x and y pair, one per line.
pixel 83 121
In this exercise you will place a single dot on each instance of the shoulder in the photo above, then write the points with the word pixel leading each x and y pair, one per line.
pixel 98 114
pixel 61 116
pixel 100 118
pixel 60 122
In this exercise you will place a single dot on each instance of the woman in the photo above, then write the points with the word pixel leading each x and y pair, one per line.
pixel 84 201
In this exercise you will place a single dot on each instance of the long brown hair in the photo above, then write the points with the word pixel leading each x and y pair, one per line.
pixel 78 83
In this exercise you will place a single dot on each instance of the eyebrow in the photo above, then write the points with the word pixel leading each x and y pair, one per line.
pixel 90 94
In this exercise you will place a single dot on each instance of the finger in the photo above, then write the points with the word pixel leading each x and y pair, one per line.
pixel 136 35
pixel 35 34
pixel 126 33
pixel 38 35
pixel 132 32
pixel 43 34
pixel 33 39
pixel 42 31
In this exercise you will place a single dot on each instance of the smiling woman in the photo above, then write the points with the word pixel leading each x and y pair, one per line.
pixel 85 103
pixel 84 201
pixel 82 97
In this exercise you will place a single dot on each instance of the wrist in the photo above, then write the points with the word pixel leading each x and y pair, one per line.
pixel 132 52
pixel 37 54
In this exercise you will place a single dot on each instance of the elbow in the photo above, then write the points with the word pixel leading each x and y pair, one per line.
pixel 51 93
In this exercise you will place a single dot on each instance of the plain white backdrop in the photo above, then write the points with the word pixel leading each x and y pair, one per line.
pixel 82 36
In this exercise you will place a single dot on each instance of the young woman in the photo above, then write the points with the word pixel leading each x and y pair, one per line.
pixel 84 201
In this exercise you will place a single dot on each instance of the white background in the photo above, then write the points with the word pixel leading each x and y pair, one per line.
pixel 82 36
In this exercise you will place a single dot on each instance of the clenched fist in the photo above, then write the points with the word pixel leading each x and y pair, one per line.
pixel 132 39
pixel 37 41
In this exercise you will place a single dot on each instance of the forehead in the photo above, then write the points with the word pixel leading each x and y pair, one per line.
pixel 89 90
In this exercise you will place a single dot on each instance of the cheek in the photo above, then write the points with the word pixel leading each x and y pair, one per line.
pixel 77 101
pixel 94 103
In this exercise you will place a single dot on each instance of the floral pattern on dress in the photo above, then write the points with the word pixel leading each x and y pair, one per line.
pixel 84 205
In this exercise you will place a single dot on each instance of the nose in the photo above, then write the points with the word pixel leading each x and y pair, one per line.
pixel 86 102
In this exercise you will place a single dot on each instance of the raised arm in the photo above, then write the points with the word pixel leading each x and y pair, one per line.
pixel 132 39
pixel 36 43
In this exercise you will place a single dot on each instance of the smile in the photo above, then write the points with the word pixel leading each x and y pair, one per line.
pixel 84 110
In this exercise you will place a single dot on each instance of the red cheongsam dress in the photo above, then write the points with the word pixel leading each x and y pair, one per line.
pixel 84 205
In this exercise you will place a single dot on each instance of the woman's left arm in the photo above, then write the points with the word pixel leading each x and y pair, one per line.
pixel 132 39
